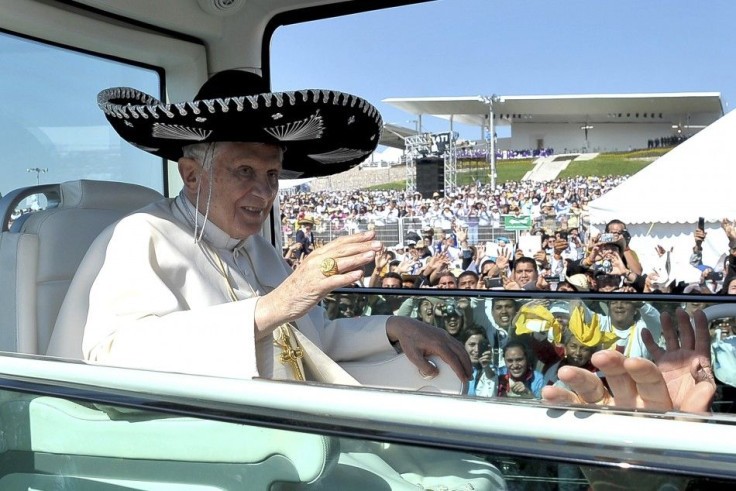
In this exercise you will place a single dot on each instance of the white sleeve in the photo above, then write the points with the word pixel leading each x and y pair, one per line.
pixel 149 308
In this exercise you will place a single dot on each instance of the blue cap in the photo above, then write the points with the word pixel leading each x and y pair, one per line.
pixel 504 239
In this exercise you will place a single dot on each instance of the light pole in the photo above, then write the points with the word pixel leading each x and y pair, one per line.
pixel 490 100
pixel 38 172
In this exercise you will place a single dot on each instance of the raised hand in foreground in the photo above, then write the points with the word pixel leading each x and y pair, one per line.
pixel 680 379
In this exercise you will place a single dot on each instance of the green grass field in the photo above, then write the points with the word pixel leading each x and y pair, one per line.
pixel 605 164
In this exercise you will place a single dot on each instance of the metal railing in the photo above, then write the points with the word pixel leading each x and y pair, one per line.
pixel 399 231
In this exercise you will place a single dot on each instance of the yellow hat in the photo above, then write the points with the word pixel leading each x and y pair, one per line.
pixel 589 334
pixel 534 317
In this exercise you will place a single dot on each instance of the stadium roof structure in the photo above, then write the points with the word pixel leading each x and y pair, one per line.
pixel 393 135
pixel 682 108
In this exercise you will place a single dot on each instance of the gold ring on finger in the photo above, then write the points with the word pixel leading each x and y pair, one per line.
pixel 603 399
pixel 329 267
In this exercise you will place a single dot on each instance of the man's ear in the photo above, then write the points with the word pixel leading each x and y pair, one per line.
pixel 190 171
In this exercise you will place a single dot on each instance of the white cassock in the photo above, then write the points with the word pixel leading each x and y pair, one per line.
pixel 149 297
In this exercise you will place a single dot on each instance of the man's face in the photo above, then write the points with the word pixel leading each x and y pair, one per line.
pixel 467 282
pixel 346 307
pixel 391 283
pixel 446 281
pixel 245 184
pixel 503 312
pixel 616 228
pixel 622 313
pixel 525 273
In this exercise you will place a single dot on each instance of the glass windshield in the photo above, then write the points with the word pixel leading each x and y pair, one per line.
pixel 524 151
pixel 517 344
pixel 533 124
pixel 51 128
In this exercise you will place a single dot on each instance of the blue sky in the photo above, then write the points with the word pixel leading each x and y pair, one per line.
pixel 514 47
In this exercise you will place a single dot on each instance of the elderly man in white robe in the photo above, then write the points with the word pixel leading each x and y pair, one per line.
pixel 189 284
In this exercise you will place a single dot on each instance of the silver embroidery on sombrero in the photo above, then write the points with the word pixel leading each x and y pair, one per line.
pixel 153 111
pixel 179 132
pixel 165 110
pixel 194 107
pixel 310 128
pixel 181 106
pixel 210 105
pixel 141 110
pixel 339 155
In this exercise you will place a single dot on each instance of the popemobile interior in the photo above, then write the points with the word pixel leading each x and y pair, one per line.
pixel 66 424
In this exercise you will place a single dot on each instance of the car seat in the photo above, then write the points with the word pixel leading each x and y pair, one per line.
pixel 41 250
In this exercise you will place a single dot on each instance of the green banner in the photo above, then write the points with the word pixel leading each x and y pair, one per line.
pixel 511 222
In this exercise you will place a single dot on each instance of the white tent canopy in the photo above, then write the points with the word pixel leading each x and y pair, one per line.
pixel 695 179
pixel 661 203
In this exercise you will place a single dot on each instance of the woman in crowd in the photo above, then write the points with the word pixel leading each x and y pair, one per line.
pixel 479 350
pixel 451 316
pixel 517 378
pixel 729 285
pixel 426 312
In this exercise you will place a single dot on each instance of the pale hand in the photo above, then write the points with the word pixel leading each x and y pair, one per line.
pixel 419 341
pixel 306 286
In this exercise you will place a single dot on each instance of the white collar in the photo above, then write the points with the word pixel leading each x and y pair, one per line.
pixel 213 235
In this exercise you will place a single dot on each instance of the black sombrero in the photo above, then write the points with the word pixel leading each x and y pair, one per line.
pixel 323 131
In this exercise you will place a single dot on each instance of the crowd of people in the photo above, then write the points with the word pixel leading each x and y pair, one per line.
pixel 554 205
pixel 518 347
pixel 666 141
pixel 480 152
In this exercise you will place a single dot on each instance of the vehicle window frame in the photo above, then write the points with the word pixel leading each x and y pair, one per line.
pixel 397 417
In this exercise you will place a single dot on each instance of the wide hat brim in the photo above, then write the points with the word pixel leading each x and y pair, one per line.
pixel 323 132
